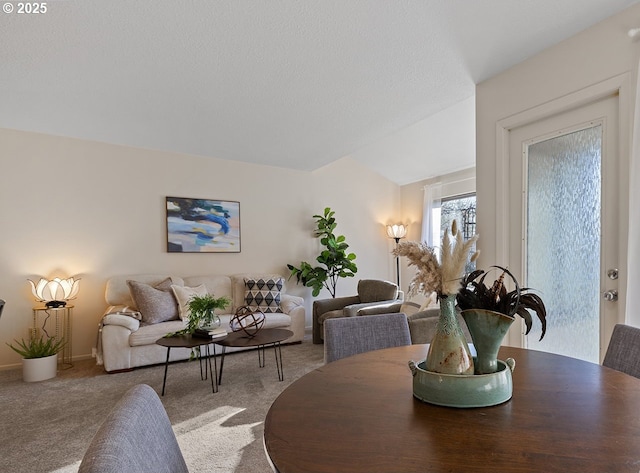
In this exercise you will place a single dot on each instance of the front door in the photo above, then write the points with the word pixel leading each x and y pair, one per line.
pixel 564 220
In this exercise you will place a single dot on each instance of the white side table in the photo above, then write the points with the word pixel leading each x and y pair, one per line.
pixel 55 322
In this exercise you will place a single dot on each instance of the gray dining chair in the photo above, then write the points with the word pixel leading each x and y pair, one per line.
pixel 346 336
pixel 136 437
pixel 623 352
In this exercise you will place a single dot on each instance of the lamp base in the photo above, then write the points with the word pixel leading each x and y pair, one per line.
pixel 55 304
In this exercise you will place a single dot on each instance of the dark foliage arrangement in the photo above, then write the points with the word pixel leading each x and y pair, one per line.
pixel 474 294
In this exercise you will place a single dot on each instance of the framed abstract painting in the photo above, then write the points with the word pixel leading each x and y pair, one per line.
pixel 202 226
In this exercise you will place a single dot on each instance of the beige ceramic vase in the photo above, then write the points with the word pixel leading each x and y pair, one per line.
pixel 449 351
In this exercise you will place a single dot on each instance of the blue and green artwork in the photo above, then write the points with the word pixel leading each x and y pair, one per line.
pixel 202 226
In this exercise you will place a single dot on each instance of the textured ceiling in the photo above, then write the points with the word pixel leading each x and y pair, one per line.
pixel 290 83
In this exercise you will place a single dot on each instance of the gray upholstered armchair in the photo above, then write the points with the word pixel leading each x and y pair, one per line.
pixel 374 297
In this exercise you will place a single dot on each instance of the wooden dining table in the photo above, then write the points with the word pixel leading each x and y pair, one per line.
pixel 358 414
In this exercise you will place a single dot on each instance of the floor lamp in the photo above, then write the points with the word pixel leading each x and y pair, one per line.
pixel 397 232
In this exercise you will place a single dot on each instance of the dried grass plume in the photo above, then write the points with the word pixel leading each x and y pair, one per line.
pixel 444 276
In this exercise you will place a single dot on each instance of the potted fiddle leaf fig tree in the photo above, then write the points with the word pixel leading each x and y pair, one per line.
pixel 39 357
pixel 335 261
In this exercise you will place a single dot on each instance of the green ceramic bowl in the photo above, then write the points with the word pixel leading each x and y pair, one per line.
pixel 451 390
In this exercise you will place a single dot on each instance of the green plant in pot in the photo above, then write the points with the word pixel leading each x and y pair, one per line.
pixel 37 347
pixel 337 263
pixel 202 313
pixel 490 311
pixel 39 357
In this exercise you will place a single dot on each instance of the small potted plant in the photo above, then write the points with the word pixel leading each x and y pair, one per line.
pixel 39 357
pixel 490 311
pixel 202 313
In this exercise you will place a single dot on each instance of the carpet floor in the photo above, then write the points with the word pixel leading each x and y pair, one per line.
pixel 47 426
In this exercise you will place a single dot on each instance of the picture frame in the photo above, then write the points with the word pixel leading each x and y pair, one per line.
pixel 202 225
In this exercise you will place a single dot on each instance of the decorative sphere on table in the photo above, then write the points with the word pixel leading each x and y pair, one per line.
pixel 247 320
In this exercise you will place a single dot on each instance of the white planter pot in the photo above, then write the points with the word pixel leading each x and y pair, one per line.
pixel 39 369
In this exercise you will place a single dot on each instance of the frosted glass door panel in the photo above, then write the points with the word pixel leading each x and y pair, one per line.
pixel 563 229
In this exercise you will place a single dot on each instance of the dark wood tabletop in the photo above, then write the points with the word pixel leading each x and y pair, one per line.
pixel 358 414
pixel 265 336
pixel 183 341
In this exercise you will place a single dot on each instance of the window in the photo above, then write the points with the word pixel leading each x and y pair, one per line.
pixel 461 208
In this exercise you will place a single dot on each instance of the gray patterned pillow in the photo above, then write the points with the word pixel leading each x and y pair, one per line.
pixel 155 303
pixel 263 294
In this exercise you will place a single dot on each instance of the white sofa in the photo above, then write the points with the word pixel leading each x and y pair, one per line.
pixel 125 343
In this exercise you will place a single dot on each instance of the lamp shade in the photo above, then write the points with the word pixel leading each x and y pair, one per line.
pixel 55 292
pixel 396 231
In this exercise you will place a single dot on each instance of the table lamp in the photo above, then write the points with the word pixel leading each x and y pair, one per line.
pixel 56 292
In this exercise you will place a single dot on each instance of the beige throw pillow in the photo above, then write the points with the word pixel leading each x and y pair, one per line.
pixel 184 294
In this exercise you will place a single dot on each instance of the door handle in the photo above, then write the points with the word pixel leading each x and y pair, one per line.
pixel 611 295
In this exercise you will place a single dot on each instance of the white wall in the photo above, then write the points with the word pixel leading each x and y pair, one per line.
pixel 596 54
pixel 447 138
pixel 71 207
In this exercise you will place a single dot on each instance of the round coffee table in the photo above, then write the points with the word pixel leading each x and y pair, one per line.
pixel 264 337
pixel 189 341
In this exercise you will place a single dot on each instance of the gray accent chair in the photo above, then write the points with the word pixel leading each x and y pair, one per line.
pixel 623 352
pixel 347 336
pixel 422 325
pixel 136 437
pixel 374 297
